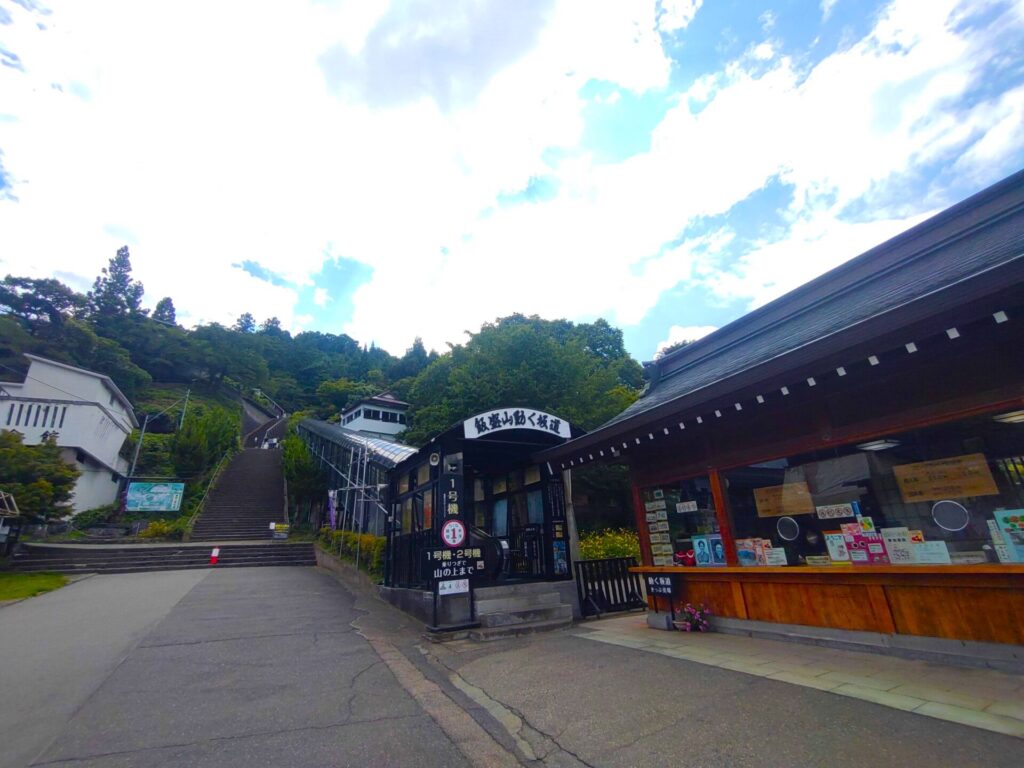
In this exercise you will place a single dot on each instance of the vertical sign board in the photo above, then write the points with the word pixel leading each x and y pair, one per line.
pixel 558 531
pixel 661 585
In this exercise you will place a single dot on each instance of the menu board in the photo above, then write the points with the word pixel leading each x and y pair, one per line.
pixel 783 500
pixel 957 477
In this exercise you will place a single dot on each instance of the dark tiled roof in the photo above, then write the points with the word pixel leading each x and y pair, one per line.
pixel 927 266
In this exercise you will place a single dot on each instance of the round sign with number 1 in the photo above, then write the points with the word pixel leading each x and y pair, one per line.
pixel 453 533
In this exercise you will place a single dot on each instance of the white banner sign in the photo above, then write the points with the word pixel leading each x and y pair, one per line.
pixel 515 418
pixel 453 587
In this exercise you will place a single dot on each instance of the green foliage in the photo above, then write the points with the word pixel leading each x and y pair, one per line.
pixel 344 544
pixel 206 435
pixel 580 372
pixel 95 516
pixel 17 586
pixel 620 542
pixel 164 311
pixel 338 394
pixel 165 529
pixel 40 480
pixel 115 292
pixel 306 481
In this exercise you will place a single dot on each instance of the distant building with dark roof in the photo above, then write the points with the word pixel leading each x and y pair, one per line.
pixel 382 415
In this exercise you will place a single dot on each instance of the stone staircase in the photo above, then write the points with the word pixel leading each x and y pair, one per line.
pixel 247 498
pixel 513 609
pixel 129 558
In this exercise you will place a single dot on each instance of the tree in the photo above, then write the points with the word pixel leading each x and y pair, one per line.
pixel 115 292
pixel 666 351
pixel 245 323
pixel 34 300
pixel 42 483
pixel 164 311
pixel 525 361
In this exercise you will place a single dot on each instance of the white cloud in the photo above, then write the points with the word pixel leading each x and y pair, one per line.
pixel 826 8
pixel 675 15
pixel 209 132
pixel 678 333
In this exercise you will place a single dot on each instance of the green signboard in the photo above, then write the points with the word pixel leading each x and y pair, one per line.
pixel 155 497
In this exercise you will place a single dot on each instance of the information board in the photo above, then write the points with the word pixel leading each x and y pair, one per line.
pixel 784 500
pixel 154 497
pixel 957 477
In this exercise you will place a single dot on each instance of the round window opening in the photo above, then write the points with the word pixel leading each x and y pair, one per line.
pixel 950 515
pixel 788 528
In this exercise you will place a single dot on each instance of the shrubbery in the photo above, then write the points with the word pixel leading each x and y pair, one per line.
pixel 344 544
pixel 621 542
pixel 165 529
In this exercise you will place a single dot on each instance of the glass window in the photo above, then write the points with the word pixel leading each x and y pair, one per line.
pixel 478 489
pixel 681 523
pixel 948 495
pixel 532 475
pixel 403 483
pixel 498 485
pixel 423 474
pixel 428 509
pixel 407 515
pixel 535 507
pixel 499 526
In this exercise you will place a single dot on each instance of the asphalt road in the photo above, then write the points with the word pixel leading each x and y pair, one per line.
pixel 236 667
pixel 292 667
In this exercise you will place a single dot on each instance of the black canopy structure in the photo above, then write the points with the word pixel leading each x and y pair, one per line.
pixel 479 479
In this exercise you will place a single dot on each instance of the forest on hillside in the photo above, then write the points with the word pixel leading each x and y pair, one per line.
pixel 580 371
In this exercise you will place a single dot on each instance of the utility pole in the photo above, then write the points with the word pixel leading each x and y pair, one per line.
pixel 184 408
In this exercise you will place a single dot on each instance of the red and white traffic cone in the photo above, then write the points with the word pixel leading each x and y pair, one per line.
pixel 214 555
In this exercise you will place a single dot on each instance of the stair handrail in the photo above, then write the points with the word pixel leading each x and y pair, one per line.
pixel 202 502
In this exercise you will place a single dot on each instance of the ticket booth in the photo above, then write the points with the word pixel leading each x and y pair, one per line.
pixel 476 489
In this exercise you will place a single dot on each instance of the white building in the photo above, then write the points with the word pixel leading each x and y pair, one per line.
pixel 378 416
pixel 86 413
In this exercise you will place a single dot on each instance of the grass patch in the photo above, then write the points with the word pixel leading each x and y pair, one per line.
pixel 15 586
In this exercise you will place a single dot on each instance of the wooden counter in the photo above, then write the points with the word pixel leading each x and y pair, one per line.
pixel 972 602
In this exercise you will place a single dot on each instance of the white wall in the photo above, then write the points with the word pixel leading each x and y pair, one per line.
pixel 94 487
pixel 85 426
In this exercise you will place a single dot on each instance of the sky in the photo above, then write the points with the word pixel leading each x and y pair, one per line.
pixel 399 169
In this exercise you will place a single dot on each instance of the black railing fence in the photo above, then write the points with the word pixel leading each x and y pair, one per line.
pixel 607 586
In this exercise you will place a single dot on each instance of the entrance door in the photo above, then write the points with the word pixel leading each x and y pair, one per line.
pixel 520 515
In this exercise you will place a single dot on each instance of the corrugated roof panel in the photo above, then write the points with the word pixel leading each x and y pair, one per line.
pixel 385 452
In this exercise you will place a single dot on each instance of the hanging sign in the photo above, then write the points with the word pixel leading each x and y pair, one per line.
pixel 515 418
pixel 784 500
pixel 957 477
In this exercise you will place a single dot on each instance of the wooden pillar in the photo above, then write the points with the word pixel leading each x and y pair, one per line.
pixel 722 514
pixel 641 523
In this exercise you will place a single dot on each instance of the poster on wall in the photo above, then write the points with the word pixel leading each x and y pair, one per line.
pixel 898 545
pixel 717 549
pixel 1010 523
pixel 836 543
pixel 957 477
pixel 702 550
pixel 154 497
pixel 784 500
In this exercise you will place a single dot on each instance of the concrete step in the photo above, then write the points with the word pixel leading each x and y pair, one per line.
pixel 513 590
pixel 510 630
pixel 515 602
pixel 536 615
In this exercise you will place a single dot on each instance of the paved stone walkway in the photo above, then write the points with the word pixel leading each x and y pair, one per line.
pixel 980 698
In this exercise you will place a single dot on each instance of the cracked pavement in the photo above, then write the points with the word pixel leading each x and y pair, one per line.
pixel 233 667
pixel 301 667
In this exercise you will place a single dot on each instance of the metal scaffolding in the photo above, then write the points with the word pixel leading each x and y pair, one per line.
pixel 358 467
